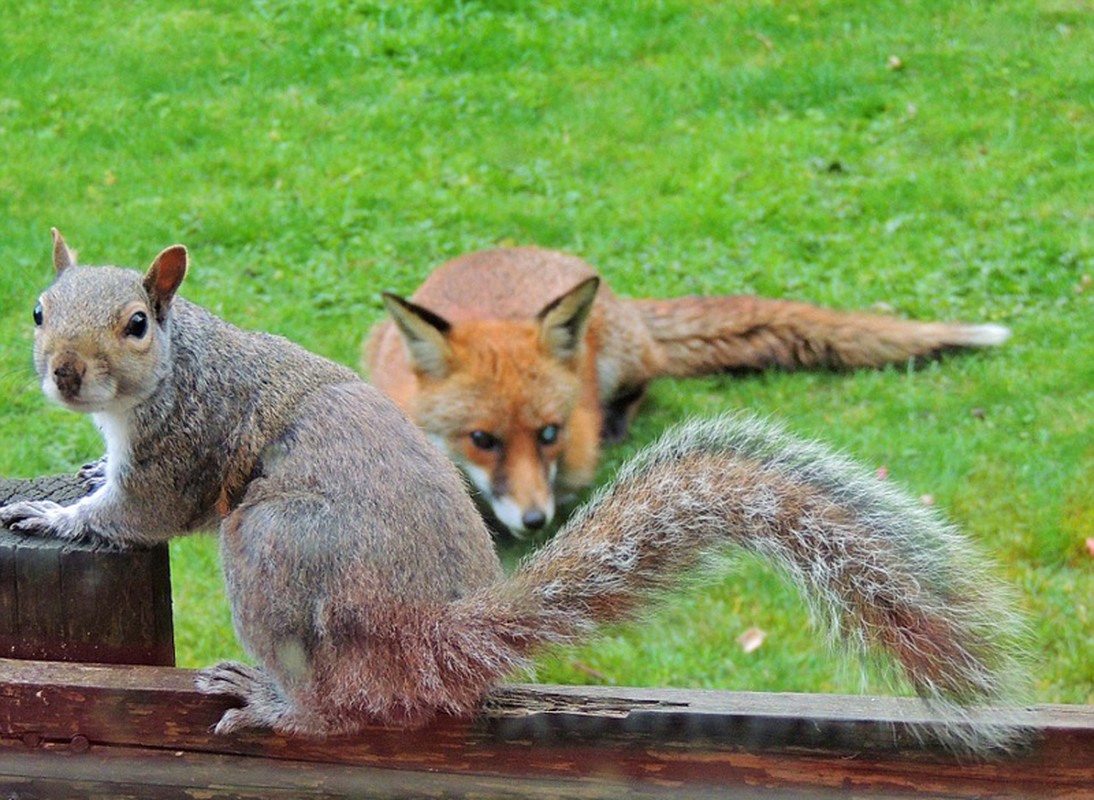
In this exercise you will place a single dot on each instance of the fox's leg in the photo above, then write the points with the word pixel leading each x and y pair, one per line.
pixel 618 413
pixel 577 465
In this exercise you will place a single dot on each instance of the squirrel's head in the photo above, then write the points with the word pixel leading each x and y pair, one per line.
pixel 102 340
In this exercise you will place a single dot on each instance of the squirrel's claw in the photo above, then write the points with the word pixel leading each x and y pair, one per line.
pixel 233 720
pixel 230 678
pixel 263 704
pixel 46 518
pixel 93 474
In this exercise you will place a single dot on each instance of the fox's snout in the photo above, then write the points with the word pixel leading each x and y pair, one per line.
pixel 534 519
pixel 520 496
pixel 520 519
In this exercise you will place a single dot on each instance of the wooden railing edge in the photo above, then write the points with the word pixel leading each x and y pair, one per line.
pixel 579 737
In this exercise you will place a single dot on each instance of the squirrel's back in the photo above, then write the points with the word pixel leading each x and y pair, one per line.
pixel 255 380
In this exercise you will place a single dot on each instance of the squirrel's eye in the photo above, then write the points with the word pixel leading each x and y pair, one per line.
pixel 137 326
pixel 548 434
pixel 484 440
pixel 39 313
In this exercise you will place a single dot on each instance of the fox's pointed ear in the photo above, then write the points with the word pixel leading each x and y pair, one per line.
pixel 563 322
pixel 425 334
pixel 164 278
pixel 63 258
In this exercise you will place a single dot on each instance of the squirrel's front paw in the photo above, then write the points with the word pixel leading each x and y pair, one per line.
pixel 40 517
pixel 93 475
pixel 46 518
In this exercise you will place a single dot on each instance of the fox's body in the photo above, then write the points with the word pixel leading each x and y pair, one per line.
pixel 501 347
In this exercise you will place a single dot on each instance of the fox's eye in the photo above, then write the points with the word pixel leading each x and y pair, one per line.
pixel 484 440
pixel 39 314
pixel 548 434
pixel 137 326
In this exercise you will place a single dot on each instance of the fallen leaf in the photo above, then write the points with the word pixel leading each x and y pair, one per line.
pixel 895 64
pixel 751 639
pixel 759 37
pixel 592 673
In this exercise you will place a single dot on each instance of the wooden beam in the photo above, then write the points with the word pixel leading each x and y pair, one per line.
pixel 69 601
pixel 121 728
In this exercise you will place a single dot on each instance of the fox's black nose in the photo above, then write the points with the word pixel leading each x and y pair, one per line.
pixel 533 519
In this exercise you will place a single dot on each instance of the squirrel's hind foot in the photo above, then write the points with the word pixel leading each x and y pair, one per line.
pixel 264 705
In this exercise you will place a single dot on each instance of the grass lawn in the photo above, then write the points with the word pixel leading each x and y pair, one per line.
pixel 933 157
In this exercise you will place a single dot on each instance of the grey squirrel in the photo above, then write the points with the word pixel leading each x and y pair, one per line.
pixel 362 578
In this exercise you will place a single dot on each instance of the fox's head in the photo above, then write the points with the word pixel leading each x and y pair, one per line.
pixel 500 396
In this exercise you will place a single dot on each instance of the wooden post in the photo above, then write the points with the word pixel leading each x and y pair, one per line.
pixel 69 601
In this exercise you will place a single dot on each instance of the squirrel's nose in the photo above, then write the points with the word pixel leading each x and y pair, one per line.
pixel 69 375
pixel 533 519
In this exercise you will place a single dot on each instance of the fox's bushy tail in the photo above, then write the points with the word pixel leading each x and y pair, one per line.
pixel 882 573
pixel 704 335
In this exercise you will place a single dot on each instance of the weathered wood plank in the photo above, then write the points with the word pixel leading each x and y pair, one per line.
pixel 9 605
pixel 580 736
pixel 40 618
pixel 72 602
pixel 140 774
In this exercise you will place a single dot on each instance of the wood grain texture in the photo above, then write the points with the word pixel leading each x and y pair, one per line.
pixel 63 489
pixel 578 740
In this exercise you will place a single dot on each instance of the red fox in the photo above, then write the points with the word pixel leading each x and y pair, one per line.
pixel 519 362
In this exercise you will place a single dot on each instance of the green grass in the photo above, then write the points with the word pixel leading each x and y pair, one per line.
pixel 311 155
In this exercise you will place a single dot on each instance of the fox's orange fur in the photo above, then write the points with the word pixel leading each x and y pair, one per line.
pixel 518 362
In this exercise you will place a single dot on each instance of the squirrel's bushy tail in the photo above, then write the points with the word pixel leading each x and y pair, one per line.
pixel 880 571
pixel 703 335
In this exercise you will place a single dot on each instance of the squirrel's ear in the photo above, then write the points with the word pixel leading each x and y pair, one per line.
pixel 164 278
pixel 63 258
pixel 425 335
pixel 563 322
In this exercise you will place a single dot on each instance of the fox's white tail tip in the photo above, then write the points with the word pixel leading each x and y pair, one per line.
pixel 984 335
